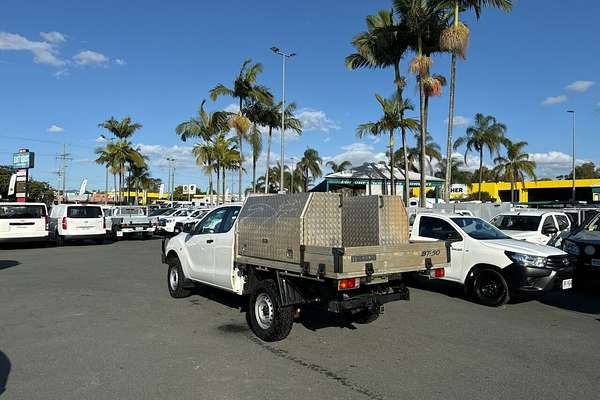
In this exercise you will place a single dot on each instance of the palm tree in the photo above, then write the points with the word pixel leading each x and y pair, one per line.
pixel 255 141
pixel 485 133
pixel 424 21
pixel 225 154
pixel 432 150
pixel 387 124
pixel 107 157
pixel 245 89
pixel 310 165
pixel 139 179
pixel 205 158
pixel 122 130
pixel 117 155
pixel 515 165
pixel 383 45
pixel 454 40
pixel 458 174
pixel 342 166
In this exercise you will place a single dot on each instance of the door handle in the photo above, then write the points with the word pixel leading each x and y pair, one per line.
pixel 209 240
pixel 456 249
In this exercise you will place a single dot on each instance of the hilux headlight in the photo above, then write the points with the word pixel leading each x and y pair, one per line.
pixel 571 248
pixel 526 260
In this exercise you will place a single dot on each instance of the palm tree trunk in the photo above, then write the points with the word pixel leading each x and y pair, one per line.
pixel 480 172
pixel 218 181
pixel 129 184
pixel 240 139
pixel 268 160
pixel 450 125
pixel 406 169
pixel 210 187
pixel 392 177
pixel 114 189
pixel 422 186
pixel 223 183
pixel 512 184
pixel 254 173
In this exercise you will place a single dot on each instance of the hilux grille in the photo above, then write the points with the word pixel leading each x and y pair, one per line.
pixel 557 262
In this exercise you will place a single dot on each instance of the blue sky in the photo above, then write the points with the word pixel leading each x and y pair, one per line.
pixel 72 64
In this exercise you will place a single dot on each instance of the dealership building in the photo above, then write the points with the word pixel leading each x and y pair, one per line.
pixel 587 190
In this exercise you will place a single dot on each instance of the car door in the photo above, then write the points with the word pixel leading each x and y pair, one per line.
pixel 431 227
pixel 223 245
pixel 199 247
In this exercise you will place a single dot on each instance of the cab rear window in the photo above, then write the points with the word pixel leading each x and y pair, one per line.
pixel 84 212
pixel 22 211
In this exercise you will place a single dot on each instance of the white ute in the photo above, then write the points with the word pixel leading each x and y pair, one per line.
pixel 534 226
pixel 23 222
pixel 491 265
pixel 347 255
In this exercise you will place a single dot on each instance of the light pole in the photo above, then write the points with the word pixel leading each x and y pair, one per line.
pixel 572 112
pixel 284 56
pixel 171 176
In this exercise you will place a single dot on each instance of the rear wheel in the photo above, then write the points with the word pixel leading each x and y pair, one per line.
pixel 490 288
pixel 269 320
pixel 176 280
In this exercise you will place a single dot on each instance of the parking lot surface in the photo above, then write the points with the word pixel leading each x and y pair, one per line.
pixel 96 322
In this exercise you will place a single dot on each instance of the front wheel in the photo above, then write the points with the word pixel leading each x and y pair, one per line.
pixel 490 288
pixel 176 280
pixel 268 319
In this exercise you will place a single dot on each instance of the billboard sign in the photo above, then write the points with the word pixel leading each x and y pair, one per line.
pixel 23 160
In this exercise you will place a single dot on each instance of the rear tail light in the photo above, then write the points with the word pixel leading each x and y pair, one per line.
pixel 351 283
pixel 47 222
pixel 64 223
pixel 437 273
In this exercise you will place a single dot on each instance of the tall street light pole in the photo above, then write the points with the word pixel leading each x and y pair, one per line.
pixel 284 56
pixel 171 176
pixel 572 112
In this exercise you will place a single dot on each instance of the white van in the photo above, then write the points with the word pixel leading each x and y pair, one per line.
pixel 77 222
pixel 23 222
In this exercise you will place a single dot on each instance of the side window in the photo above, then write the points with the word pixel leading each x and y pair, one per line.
pixel 548 223
pixel 229 220
pixel 563 222
pixel 437 228
pixel 212 222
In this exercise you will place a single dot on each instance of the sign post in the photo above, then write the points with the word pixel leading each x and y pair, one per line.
pixel 22 162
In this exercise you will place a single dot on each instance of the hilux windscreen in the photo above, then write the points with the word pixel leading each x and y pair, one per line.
pixel 22 212
pixel 84 212
pixel 517 222
pixel 479 229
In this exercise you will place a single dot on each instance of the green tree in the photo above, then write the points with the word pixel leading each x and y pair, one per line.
pixel 454 40
pixel 245 90
pixel 389 121
pixel 256 145
pixel 342 166
pixel 458 174
pixel 310 165
pixel 205 158
pixel 383 45
pixel 485 133
pixel 515 164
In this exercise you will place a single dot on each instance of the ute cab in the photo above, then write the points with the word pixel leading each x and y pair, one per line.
pixel 533 226
pixel 491 265
pixel 69 222
pixel 23 222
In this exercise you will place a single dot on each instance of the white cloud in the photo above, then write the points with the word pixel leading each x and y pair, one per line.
pixel 100 139
pixel 55 129
pixel 53 37
pixel 358 154
pixel 316 120
pixel 232 108
pixel 459 120
pixel 89 57
pixel 553 163
pixel 158 155
pixel 580 86
pixel 120 61
pixel 554 100
pixel 43 52
pixel 327 139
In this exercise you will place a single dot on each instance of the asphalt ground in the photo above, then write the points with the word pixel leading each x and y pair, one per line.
pixel 97 322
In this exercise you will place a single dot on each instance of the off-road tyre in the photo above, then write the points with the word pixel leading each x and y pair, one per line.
pixel 268 319
pixel 176 280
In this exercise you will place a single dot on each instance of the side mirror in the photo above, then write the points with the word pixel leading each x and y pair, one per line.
pixel 208 230
pixel 187 228
pixel 551 230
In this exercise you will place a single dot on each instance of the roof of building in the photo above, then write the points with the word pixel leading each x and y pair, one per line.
pixel 378 171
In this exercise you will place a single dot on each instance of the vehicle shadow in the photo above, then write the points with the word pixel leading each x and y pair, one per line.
pixel 5 264
pixel 25 245
pixel 314 318
pixel 578 301
pixel 227 299
pixel 447 288
pixel 4 371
